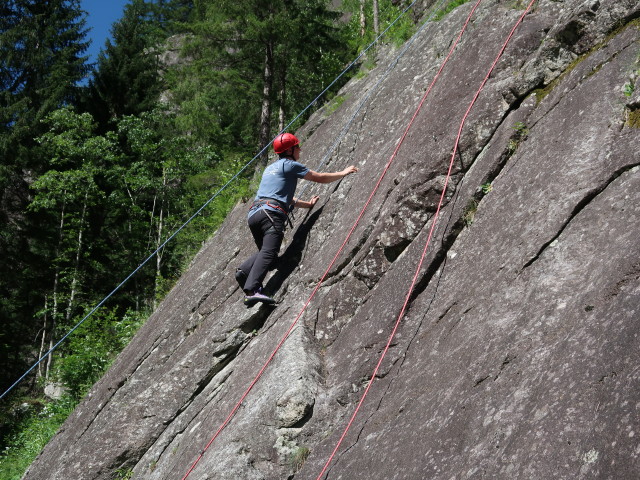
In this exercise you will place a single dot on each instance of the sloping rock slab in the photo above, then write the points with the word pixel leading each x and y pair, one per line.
pixel 518 356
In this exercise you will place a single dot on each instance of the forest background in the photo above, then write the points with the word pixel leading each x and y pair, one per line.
pixel 102 162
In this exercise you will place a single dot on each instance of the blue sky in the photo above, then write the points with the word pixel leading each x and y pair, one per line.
pixel 100 16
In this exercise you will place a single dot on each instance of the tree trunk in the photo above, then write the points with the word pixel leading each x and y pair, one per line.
pixel 39 373
pixel 363 22
pixel 56 281
pixel 76 266
pixel 376 18
pixel 156 288
pixel 265 114
pixel 283 99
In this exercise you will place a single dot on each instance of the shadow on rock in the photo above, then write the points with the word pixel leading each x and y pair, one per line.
pixel 289 260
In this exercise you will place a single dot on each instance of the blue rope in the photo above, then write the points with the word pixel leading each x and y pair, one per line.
pixel 231 180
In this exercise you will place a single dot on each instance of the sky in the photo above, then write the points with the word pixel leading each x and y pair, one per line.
pixel 100 16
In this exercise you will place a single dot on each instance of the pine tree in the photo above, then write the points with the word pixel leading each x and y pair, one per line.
pixel 126 79
pixel 41 61
pixel 171 15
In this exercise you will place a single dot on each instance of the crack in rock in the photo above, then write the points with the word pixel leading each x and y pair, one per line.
pixel 580 206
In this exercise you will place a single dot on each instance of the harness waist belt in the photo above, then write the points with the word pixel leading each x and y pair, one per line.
pixel 271 202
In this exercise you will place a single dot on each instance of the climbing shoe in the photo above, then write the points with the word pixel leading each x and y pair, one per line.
pixel 241 277
pixel 258 297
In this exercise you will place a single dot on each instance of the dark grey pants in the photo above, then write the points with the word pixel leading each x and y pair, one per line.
pixel 268 232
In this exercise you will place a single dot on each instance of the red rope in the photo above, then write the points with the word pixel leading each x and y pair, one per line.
pixel 424 251
pixel 335 258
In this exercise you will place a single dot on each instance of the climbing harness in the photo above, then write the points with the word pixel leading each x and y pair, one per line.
pixel 270 202
pixel 275 204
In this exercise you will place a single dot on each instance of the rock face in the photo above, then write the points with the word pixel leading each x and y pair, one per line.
pixel 518 356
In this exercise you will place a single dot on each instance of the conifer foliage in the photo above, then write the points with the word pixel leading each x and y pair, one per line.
pixel 126 80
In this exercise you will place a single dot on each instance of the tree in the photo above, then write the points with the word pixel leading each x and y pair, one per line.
pixel 315 51
pixel 376 18
pixel 171 15
pixel 106 204
pixel 126 80
pixel 369 18
pixel 64 197
pixel 40 62
pixel 363 18
pixel 150 195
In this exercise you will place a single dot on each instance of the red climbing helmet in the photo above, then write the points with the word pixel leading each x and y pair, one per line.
pixel 284 142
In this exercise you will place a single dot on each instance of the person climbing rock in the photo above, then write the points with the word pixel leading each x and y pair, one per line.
pixel 269 212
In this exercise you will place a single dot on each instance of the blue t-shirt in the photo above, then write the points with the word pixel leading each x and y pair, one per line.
pixel 279 181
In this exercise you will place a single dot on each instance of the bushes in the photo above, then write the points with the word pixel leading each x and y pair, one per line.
pixel 85 357
pixel 31 434
pixel 91 350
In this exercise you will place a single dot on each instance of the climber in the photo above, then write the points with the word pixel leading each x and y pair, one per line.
pixel 270 209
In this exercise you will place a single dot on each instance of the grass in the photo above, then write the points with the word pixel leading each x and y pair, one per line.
pixel 521 132
pixel 519 4
pixel 633 118
pixel 299 457
pixel 368 65
pixel 124 474
pixel 449 7
pixel 32 434
pixel 470 212
pixel 334 104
